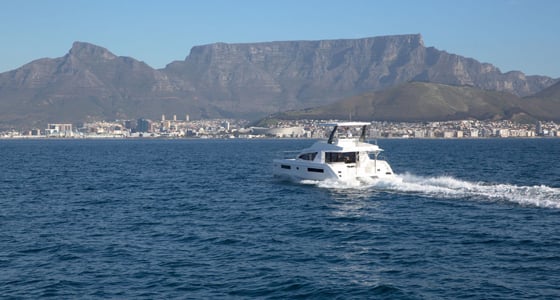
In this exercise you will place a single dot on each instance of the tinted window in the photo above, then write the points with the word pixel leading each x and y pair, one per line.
pixel 308 156
pixel 346 157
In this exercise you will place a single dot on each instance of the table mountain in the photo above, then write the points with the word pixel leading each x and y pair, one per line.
pixel 319 71
pixel 235 80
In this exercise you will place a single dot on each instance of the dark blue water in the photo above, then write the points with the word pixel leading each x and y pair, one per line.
pixel 205 219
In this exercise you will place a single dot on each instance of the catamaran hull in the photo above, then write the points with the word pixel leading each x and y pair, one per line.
pixel 302 170
pixel 342 157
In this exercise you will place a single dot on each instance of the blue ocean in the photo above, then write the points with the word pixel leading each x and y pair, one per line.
pixel 205 219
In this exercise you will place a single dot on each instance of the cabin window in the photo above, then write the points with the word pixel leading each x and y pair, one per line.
pixel 345 157
pixel 286 167
pixel 315 170
pixel 308 156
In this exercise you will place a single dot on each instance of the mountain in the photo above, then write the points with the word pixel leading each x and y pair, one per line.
pixel 417 102
pixel 88 83
pixel 235 80
pixel 544 105
pixel 277 76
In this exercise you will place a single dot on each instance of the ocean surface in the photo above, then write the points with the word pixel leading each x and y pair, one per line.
pixel 205 219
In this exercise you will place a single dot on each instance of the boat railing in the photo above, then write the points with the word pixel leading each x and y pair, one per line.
pixel 380 156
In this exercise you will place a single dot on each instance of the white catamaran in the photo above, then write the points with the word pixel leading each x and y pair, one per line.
pixel 343 157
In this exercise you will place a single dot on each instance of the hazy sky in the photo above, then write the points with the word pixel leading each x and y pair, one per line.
pixel 510 34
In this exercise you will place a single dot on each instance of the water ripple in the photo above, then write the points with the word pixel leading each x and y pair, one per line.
pixel 202 219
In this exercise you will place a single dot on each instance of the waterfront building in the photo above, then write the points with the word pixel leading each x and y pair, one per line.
pixel 59 130
pixel 144 125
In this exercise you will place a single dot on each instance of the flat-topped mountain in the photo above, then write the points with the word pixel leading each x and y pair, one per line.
pixel 235 80
pixel 301 69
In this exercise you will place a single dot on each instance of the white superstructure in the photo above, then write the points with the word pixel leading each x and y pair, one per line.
pixel 342 157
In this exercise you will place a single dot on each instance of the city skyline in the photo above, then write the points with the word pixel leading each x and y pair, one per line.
pixel 304 128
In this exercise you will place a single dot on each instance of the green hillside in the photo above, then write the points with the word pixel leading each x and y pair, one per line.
pixel 420 101
pixel 544 105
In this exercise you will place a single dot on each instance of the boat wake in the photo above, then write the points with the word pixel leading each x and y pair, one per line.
pixel 452 188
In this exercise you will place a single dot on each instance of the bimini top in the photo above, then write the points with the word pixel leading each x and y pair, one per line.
pixel 346 124
pixel 337 125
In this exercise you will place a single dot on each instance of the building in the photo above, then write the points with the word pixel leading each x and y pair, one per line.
pixel 59 130
pixel 293 132
pixel 144 125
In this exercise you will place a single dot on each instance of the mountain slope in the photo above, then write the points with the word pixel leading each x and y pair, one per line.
pixel 544 105
pixel 419 101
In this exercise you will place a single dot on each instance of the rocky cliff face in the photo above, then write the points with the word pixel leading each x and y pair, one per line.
pixel 235 80
pixel 300 73
pixel 337 65
pixel 276 76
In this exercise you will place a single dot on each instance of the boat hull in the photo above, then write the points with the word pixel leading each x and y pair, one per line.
pixel 342 157
pixel 304 170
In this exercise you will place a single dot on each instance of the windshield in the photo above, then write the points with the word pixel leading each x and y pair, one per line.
pixel 308 156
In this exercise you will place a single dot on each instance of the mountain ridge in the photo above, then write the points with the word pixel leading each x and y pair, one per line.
pixel 247 80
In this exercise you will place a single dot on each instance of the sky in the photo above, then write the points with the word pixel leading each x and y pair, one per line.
pixel 521 35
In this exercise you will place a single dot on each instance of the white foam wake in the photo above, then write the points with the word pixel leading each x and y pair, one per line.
pixel 452 188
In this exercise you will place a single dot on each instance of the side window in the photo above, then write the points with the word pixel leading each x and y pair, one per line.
pixel 349 157
pixel 346 157
pixel 308 156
